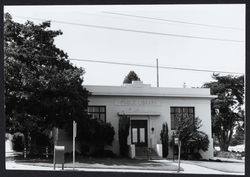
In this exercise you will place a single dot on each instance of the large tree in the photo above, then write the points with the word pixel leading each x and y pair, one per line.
pixel 227 107
pixel 42 88
pixel 132 76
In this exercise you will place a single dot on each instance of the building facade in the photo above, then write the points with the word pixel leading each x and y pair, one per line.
pixel 148 108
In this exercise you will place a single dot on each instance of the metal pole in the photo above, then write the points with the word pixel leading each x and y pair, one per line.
pixel 55 143
pixel 179 157
pixel 46 152
pixel 74 135
pixel 157 69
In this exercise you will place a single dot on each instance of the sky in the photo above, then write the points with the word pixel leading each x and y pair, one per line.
pixel 209 37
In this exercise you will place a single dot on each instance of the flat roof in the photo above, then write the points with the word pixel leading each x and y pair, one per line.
pixel 145 90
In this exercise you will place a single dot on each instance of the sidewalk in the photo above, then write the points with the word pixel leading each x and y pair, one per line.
pixel 154 166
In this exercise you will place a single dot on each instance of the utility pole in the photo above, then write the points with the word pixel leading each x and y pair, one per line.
pixel 157 69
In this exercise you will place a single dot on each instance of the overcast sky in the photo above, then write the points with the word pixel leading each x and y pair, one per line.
pixel 186 22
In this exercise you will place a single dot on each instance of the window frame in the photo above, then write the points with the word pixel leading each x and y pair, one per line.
pixel 99 112
pixel 172 119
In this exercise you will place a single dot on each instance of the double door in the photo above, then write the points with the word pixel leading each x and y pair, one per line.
pixel 139 133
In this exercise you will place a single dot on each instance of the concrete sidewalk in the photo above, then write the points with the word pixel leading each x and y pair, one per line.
pixel 187 168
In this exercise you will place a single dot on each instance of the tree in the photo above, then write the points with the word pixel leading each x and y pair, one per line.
pixel 164 139
pixel 132 76
pixel 42 88
pixel 227 107
pixel 191 138
pixel 124 124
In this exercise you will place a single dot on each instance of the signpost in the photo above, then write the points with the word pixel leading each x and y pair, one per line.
pixel 179 155
pixel 177 142
pixel 74 136
pixel 55 143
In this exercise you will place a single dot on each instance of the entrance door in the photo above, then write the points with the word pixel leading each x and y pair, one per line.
pixel 139 132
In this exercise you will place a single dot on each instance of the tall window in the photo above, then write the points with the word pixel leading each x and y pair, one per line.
pixel 180 112
pixel 97 112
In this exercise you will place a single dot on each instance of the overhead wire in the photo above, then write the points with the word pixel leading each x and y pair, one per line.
pixel 152 66
pixel 144 65
pixel 132 30
pixel 172 21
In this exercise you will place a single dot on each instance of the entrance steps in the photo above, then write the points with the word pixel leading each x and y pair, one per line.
pixel 146 153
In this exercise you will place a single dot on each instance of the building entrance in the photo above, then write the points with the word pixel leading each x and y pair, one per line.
pixel 139 133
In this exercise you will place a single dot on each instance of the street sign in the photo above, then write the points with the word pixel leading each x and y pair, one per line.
pixel 176 141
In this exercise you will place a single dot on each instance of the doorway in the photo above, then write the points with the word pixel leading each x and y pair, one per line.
pixel 139 133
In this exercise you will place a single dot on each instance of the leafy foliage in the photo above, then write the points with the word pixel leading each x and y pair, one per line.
pixel 42 88
pixel 230 106
pixel 191 138
pixel 238 138
pixel 18 141
pixel 164 139
pixel 124 124
pixel 95 132
pixel 132 76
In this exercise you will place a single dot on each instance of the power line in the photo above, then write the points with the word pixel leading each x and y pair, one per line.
pixel 152 66
pixel 132 30
pixel 143 65
pixel 172 21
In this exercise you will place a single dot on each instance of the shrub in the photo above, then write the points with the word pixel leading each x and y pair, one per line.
pixel 95 132
pixel 124 123
pixel 192 139
pixel 164 139
pixel 18 141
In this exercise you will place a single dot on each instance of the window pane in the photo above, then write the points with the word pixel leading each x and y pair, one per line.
pixel 172 122
pixel 102 117
pixel 142 135
pixel 180 113
pixel 102 109
pixel 191 116
pixel 191 110
pixel 90 109
pixel 134 135
pixel 185 115
pixel 96 109
pixel 95 115
pixel 185 110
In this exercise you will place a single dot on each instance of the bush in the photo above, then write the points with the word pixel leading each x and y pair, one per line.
pixel 95 132
pixel 124 123
pixel 192 140
pixel 164 139
pixel 18 141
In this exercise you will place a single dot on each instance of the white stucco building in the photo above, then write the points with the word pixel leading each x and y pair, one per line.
pixel 148 108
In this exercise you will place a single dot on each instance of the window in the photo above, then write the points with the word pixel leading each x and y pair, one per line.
pixel 97 112
pixel 180 112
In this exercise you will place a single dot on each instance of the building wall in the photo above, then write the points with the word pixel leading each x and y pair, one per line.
pixel 161 105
